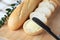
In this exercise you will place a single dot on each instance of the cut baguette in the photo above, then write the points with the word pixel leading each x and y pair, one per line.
pixel 31 28
pixel 46 7
pixel 44 10
pixel 47 4
pixel 40 16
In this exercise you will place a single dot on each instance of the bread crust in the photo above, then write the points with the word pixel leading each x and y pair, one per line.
pixel 21 13
pixel 13 21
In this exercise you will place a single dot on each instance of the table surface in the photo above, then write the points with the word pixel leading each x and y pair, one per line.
pixel 7 34
pixel 53 23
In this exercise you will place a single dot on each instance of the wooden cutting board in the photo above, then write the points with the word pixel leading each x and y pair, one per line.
pixel 53 23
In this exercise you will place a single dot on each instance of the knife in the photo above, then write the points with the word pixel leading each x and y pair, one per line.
pixel 45 27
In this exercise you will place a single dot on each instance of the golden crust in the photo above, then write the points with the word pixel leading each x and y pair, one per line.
pixel 21 13
pixel 13 21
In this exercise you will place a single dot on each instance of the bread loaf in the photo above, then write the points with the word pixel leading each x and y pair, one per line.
pixel 13 22
pixel 21 13
pixel 42 13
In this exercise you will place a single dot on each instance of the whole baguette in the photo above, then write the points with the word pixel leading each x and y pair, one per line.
pixel 21 13
pixel 13 21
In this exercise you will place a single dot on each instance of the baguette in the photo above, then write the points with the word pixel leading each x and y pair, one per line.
pixel 20 14
pixel 42 13
pixel 31 28
pixel 13 21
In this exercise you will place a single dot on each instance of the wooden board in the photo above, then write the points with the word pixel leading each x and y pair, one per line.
pixel 53 23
